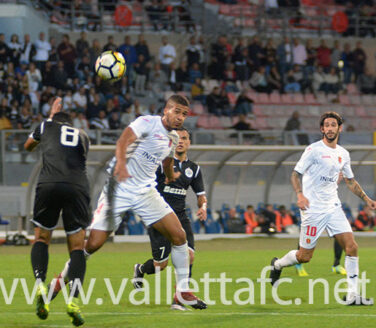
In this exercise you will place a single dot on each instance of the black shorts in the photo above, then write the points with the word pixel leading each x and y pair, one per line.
pixel 161 246
pixel 72 200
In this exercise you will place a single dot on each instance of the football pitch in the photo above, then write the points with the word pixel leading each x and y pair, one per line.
pixel 232 259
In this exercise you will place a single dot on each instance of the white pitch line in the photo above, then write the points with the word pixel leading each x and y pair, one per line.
pixel 213 314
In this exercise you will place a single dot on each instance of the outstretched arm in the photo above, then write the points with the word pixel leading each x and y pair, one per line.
pixel 357 190
pixel 302 202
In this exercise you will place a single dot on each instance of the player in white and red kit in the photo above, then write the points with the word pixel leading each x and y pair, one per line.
pixel 320 166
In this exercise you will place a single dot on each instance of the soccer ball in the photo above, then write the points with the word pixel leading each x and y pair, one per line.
pixel 110 66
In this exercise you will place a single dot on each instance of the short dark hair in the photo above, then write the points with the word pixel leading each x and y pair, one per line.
pixel 179 99
pixel 185 129
pixel 62 117
pixel 331 115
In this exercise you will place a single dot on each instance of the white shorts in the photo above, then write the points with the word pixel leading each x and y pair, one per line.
pixel 313 224
pixel 150 206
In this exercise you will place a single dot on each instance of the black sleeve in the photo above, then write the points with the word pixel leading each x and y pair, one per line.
pixel 85 141
pixel 36 133
pixel 159 174
pixel 197 183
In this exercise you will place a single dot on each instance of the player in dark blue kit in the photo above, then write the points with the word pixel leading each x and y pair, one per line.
pixel 175 194
pixel 62 187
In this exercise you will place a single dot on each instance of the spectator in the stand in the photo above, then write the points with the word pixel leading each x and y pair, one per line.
pixel 67 53
pixel 34 77
pixel 182 75
pixel 274 79
pixel 25 119
pixel 220 55
pixel 366 82
pixel 130 56
pixel 142 48
pixel 53 55
pixel 172 79
pixel 243 104
pixel 213 101
pixel 84 68
pixel 197 91
pixel 82 45
pixel 194 72
pixel 4 121
pixel 295 80
pixel 154 12
pixel 100 122
pixel 256 53
pixel 142 71
pixel 235 223
pixel 284 56
pixel 293 124
pixel 259 81
pixel 110 45
pixel 359 59
pixel 365 220
pixel 318 78
pixel 348 63
pixel 158 81
pixel 43 48
pixel 60 76
pixel 270 53
pixel 331 82
pixel 299 53
pixel 127 117
pixel 242 124
pixel 28 50
pixel 93 108
pixel 4 49
pixel 285 221
pixel 80 100
pixel 110 106
pixel 250 218
pixel 14 50
pixel 224 103
pixel 137 108
pixel 202 47
pixel 80 121
pixel 94 52
pixel 240 59
pixel 323 55
pixel 114 121
pixel 311 59
pixel 13 113
pixel 68 104
pixel 167 54
pixel 335 56
pixel 192 52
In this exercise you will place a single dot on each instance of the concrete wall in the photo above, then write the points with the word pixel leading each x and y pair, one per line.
pixel 22 19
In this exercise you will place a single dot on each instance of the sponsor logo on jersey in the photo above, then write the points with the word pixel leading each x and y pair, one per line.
pixel 188 172
pixel 325 156
pixel 175 191
pixel 150 157
pixel 308 240
pixel 340 159
pixel 328 179
pixel 158 136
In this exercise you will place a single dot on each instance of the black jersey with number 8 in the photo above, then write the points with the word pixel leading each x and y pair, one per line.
pixel 64 151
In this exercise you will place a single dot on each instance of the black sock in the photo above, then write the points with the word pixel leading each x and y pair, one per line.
pixel 190 271
pixel 337 252
pixel 39 260
pixel 76 269
pixel 148 267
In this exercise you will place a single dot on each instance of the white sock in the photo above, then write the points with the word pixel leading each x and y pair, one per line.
pixel 64 273
pixel 180 260
pixel 288 260
pixel 352 269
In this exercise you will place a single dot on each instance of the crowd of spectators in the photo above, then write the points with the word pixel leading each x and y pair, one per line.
pixel 32 72
pixel 269 219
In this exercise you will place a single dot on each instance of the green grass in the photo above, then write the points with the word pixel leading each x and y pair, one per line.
pixel 238 258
